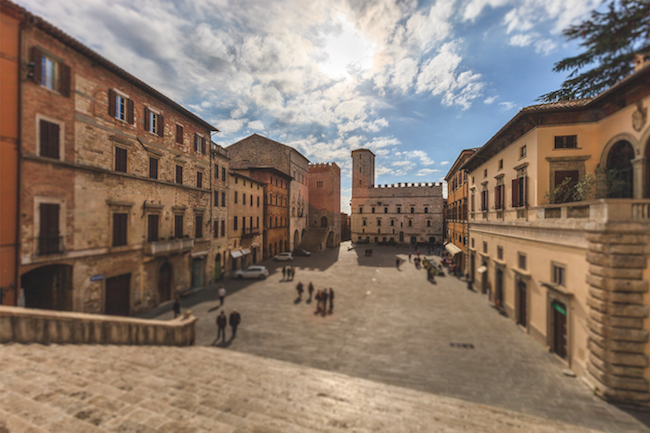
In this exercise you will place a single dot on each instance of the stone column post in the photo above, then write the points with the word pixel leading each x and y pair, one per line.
pixel 639 166
pixel 617 339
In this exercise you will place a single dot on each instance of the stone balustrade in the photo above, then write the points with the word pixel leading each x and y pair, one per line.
pixel 27 325
pixel 602 210
pixel 170 246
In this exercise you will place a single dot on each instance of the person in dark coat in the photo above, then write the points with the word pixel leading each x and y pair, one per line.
pixel 324 296
pixel 284 272
pixel 299 289
pixel 318 298
pixel 310 289
pixel 397 263
pixel 221 325
pixel 177 307
pixel 235 319
pixel 331 297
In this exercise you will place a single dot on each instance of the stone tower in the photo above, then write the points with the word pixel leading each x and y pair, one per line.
pixel 363 172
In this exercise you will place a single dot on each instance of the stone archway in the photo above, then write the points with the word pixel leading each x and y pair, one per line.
pixel 620 172
pixel 323 221
pixel 48 287
pixel 296 239
pixel 165 282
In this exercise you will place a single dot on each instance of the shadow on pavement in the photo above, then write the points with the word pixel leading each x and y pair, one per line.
pixel 639 413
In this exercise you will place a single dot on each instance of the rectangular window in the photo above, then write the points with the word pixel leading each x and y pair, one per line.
pixel 378 222
pixel 258 201
pixel 235 197
pixel 120 159
pixel 360 210
pixel 49 137
pixel 199 179
pixel 120 107
pixel 179 134
pixel 522 152
pixel 153 168
pixel 500 253
pixel 216 198
pixel 521 261
pixel 223 227
pixel 484 247
pixel 50 73
pixel 199 144
pixel 472 242
pixel 154 122
pixel 179 174
pixel 559 275
pixel 565 193
pixel 319 184
pixel 234 223
pixel 399 210
pixel 49 240
pixel 119 229
pixel 500 164
pixel 198 227
pixel 243 199
pixel 178 226
pixel 258 222
pixel 216 172
pixel 223 199
pixel 223 173
pixel 152 229
pixel 566 141
pixel 215 229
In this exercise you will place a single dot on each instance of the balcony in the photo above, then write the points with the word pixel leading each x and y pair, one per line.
pixel 250 231
pixel 52 244
pixel 168 247
pixel 602 210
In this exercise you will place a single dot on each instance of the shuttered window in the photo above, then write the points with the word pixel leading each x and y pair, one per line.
pixel 234 223
pixel 119 229
pixel 49 241
pixel 154 122
pixel 120 107
pixel 179 134
pixel 120 159
pixel 198 232
pixel 199 179
pixel 178 226
pixel 519 191
pixel 152 229
pixel 215 229
pixel 199 144
pixel 49 139
pixel 179 174
pixel 51 73
pixel 223 199
pixel 153 168
pixel 223 227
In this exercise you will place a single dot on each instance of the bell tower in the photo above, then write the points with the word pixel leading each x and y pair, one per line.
pixel 363 172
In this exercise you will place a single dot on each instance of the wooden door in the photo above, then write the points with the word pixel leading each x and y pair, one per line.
pixel 118 295
pixel 197 273
pixel 165 282
pixel 559 329
pixel 522 304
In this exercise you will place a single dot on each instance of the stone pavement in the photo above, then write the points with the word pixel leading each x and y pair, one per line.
pixel 394 327
pixel 147 389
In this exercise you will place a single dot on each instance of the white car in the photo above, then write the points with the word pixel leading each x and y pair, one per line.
pixel 252 272
pixel 283 257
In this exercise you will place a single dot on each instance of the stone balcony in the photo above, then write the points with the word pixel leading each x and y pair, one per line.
pixel 168 247
pixel 599 211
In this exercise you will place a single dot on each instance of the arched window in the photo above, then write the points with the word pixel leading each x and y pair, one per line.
pixel 412 210
pixel 410 223
pixel 426 210
pixel 428 223
pixel 620 173
pixel 392 222
pixel 385 210
pixel 373 210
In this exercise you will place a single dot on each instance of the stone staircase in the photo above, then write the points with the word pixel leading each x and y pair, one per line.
pixel 315 239
pixel 98 388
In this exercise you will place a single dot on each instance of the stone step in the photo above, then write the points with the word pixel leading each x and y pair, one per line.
pixel 201 389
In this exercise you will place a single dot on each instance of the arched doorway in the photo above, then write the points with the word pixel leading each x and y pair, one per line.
pixel 48 287
pixel 330 240
pixel 217 266
pixel 165 282
pixel 414 240
pixel 401 236
pixel 620 173
pixel 432 240
pixel 296 239
pixel 376 239
pixel 323 222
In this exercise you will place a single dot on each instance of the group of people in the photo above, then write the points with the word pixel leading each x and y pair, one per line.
pixel 234 320
pixel 322 296
pixel 288 272
pixel 369 252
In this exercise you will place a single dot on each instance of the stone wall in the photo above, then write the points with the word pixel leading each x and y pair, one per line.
pixel 25 325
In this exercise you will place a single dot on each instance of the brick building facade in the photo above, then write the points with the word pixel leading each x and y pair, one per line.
pixel 245 228
pixel 115 199
pixel 220 178
pixel 325 205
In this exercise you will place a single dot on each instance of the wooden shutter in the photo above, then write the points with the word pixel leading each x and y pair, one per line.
pixel 37 60
pixel 216 229
pixel 112 100
pixel 178 226
pixel 496 197
pixel 203 146
pixel 152 230
pixel 524 190
pixel 153 168
pixel 515 192
pixel 129 111
pixel 146 119
pixel 48 241
pixel 179 174
pixel 196 142
pixel 119 229
pixel 161 125
pixel 223 227
pixel 223 199
pixel 120 159
pixel 179 134
pixel 64 79
pixel 49 139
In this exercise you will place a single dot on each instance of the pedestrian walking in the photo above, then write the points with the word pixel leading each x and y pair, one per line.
pixel 331 297
pixel 292 271
pixel 299 289
pixel 221 326
pixel 235 319
pixel 397 263
pixel 324 296
pixel 310 289
pixel 222 295
pixel 409 257
pixel 284 272
pixel 319 297
pixel 177 307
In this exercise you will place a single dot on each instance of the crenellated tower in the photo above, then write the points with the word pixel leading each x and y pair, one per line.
pixel 363 172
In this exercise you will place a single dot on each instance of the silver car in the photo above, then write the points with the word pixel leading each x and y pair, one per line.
pixel 259 272
pixel 284 257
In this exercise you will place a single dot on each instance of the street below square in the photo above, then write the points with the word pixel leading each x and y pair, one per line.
pixel 393 326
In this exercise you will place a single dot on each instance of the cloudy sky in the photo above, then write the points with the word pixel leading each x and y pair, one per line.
pixel 414 81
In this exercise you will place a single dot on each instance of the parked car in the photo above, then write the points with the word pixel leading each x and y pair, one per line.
pixel 252 272
pixel 283 257
pixel 301 252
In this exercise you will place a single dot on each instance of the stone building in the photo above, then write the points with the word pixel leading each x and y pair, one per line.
pixel 10 19
pixel 246 213
pixel 276 208
pixel 258 151
pixel 345 227
pixel 456 227
pixel 560 230
pixel 115 182
pixel 324 207
pixel 220 178
pixel 409 213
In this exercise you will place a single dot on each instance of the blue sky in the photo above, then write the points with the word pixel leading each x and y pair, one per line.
pixel 414 81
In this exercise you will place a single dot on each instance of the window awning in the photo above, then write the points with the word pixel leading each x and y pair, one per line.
pixel 481 270
pixel 453 249
pixel 239 253
pixel 245 251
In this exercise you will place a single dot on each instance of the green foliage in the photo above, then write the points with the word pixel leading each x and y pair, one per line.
pixel 561 193
pixel 588 188
pixel 610 39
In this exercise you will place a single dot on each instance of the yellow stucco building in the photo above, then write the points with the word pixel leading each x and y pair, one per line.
pixel 559 224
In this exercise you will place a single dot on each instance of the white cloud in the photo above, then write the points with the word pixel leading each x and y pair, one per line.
pixel 257 125
pixel 545 46
pixel 490 100
pixel 426 172
pixel 522 40
pixel 444 163
pixel 508 105
pixel 229 126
